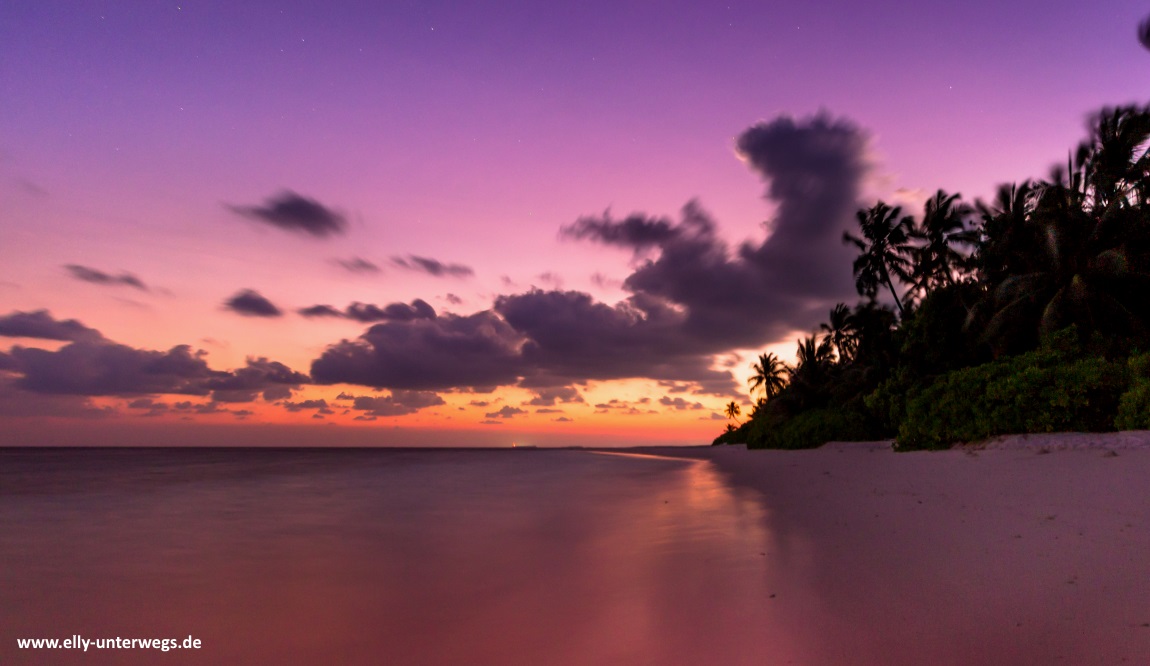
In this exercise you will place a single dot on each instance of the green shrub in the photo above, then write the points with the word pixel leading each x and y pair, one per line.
pixel 1042 391
pixel 809 429
pixel 1134 406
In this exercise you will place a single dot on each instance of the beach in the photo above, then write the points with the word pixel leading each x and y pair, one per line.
pixel 1020 550
pixel 1016 552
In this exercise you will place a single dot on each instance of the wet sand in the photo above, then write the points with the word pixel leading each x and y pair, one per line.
pixel 1021 550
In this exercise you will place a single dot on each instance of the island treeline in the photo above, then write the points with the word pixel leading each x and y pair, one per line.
pixel 1028 313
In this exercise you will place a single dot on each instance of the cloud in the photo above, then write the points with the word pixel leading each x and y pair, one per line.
pixel 549 396
pixel 432 266
pixel 563 419
pixel 99 277
pixel 39 324
pixel 453 299
pixel 292 212
pixel 399 403
pixel 449 351
pixel 505 413
pixel 679 403
pixel 693 297
pixel 250 303
pixel 635 231
pixel 259 376
pixel 319 311
pixel 304 404
pixel 368 313
pixel 357 265
pixel 91 365
pixel 106 368
pixel 17 403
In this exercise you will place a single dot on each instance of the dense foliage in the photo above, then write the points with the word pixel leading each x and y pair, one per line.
pixel 1024 314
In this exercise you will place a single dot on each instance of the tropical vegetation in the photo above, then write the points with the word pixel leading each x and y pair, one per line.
pixel 1028 313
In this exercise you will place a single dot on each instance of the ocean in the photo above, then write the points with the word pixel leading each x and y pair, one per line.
pixel 384 556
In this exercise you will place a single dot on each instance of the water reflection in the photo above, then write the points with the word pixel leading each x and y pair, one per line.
pixel 371 557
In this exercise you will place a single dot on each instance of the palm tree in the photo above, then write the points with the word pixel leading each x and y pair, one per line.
pixel 1076 249
pixel 770 376
pixel 943 228
pixel 884 250
pixel 842 333
pixel 732 410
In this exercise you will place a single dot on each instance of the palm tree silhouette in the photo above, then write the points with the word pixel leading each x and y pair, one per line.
pixel 841 332
pixel 769 375
pixel 1076 248
pixel 732 410
pixel 943 228
pixel 884 250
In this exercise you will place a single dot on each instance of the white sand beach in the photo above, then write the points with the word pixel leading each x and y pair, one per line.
pixel 1020 550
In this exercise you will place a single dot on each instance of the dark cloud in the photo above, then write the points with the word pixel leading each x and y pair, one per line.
pixel 814 171
pixel 679 403
pixel 319 311
pixel 368 313
pixel 549 396
pixel 635 231
pixel 94 366
pixel 40 325
pixel 548 410
pixel 563 419
pixel 446 352
pixel 364 312
pixel 453 299
pixel 570 337
pixel 293 212
pixel 357 265
pixel 100 277
pixel 259 376
pixel 399 403
pixel 692 298
pixel 106 368
pixel 18 403
pixel 304 404
pixel 505 413
pixel 251 304
pixel 432 266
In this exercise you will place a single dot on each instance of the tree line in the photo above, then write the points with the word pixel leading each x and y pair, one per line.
pixel 1026 313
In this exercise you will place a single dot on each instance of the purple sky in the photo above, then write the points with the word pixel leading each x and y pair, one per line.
pixel 166 168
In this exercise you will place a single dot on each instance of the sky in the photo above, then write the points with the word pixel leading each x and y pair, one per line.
pixel 431 223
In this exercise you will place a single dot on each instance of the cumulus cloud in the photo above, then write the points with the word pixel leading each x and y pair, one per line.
pixel 39 324
pixel 505 413
pixel 259 376
pixel 549 396
pixel 250 303
pixel 432 266
pixel 449 351
pixel 91 365
pixel 399 403
pixel 368 313
pixel 292 212
pixel 100 277
pixel 679 403
pixel 691 298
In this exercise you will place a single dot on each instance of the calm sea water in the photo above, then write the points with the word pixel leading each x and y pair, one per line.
pixel 386 557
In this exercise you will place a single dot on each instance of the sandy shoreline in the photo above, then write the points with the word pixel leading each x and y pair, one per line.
pixel 1020 550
